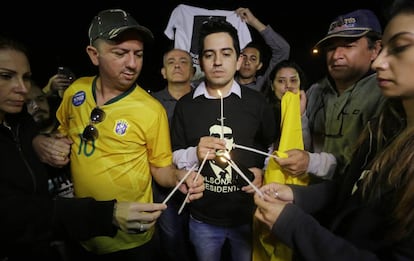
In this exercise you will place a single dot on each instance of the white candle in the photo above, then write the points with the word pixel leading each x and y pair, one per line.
pixel 236 168
pixel 254 150
pixel 221 115
pixel 195 179
pixel 179 184
pixel 233 165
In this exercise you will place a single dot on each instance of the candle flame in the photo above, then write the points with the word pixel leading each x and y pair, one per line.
pixel 223 155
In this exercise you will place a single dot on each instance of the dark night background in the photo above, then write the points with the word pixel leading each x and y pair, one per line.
pixel 56 33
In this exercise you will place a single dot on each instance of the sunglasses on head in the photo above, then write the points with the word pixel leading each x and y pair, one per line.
pixel 91 133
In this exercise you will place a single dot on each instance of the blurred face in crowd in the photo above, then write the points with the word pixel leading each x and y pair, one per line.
pixel 286 79
pixel 37 104
pixel 15 81
pixel 251 63
pixel 178 66
pixel 395 63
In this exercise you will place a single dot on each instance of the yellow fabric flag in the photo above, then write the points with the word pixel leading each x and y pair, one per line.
pixel 265 246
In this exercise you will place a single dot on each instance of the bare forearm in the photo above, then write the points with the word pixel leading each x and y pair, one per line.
pixel 166 176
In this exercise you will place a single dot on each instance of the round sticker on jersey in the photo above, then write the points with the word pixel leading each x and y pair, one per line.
pixel 121 127
pixel 78 98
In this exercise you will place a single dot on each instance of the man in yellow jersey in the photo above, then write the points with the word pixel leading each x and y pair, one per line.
pixel 120 135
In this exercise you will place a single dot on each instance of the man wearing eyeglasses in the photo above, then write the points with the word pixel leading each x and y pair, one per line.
pixel 120 136
pixel 340 105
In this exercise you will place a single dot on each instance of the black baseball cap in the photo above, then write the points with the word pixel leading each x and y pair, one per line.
pixel 110 23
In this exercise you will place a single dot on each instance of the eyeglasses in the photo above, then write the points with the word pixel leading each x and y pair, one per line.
pixel 90 133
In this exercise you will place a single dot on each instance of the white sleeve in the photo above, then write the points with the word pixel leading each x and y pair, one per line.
pixel 243 31
pixel 185 158
pixel 322 164
pixel 170 29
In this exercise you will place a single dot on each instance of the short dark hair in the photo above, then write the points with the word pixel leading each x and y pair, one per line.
pixel 215 25
pixel 372 38
pixel 256 46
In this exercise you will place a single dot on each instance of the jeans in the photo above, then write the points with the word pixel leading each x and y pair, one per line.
pixel 208 241
pixel 172 228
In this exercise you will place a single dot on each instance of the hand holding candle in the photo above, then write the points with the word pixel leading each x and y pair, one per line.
pixel 179 184
pixel 237 169
pixel 195 179
pixel 226 157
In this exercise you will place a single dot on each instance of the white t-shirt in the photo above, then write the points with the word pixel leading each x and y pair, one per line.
pixel 185 20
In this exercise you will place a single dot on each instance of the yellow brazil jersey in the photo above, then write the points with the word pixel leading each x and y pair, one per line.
pixel 133 134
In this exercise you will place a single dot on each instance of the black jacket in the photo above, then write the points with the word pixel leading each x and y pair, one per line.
pixel 353 229
pixel 30 218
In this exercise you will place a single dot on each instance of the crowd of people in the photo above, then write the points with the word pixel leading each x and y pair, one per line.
pixel 98 168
